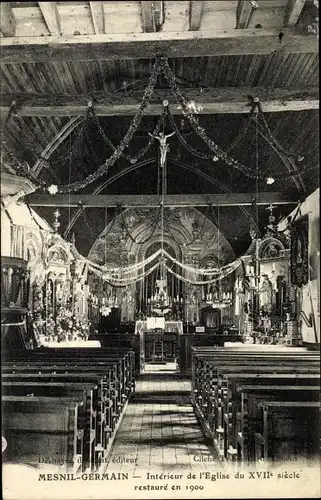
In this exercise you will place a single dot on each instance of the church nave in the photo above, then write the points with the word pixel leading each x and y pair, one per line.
pixel 159 431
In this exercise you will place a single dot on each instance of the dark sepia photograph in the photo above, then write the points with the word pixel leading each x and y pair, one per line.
pixel 160 249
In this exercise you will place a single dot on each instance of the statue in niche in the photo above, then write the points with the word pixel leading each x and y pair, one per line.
pixel 127 306
pixel 193 306
pixel 54 257
pixel 35 264
pixel 272 251
pixel 299 252
pixel 57 255
pixel 266 295
pixel 163 146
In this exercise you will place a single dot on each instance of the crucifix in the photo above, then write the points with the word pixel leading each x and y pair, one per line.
pixel 56 223
pixel 163 146
pixel 270 209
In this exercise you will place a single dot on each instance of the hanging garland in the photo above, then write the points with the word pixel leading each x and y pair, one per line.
pixel 78 141
pixel 126 269
pixel 201 154
pixel 207 282
pixel 118 283
pixel 195 270
pixel 103 169
pixel 141 152
pixel 122 282
pixel 275 142
pixel 109 273
pixel 218 152
pixel 187 110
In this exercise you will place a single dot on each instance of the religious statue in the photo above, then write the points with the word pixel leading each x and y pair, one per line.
pixel 266 294
pixel 272 251
pixel 127 306
pixel 164 147
pixel 299 252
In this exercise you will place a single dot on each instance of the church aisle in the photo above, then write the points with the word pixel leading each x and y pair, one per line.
pixel 160 432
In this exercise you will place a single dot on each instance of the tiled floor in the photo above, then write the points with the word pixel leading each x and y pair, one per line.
pixel 159 431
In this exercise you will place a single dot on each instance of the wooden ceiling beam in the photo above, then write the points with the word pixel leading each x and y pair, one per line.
pixel 151 200
pixel 159 44
pixel 196 10
pixel 51 16
pixel 148 22
pixel 212 101
pixel 292 12
pixel 243 13
pixel 8 22
pixel 98 16
pixel 152 16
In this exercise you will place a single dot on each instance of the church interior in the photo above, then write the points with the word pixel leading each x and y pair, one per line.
pixel 160 235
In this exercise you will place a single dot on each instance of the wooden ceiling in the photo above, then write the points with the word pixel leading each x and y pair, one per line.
pixel 58 56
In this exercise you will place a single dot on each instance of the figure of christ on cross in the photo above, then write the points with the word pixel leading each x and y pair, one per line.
pixel 164 147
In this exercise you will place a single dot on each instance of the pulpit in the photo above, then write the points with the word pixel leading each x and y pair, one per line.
pixel 16 329
pixel 14 282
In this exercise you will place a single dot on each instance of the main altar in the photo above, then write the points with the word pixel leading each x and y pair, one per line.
pixel 169 326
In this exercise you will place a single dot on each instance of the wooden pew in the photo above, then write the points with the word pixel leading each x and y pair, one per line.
pixel 217 374
pixel 206 380
pixel 87 392
pixel 104 407
pixel 188 341
pixel 297 436
pixel 247 436
pixel 213 409
pixel 109 371
pixel 200 355
pixel 230 397
pixel 30 421
pixel 64 371
pixel 116 381
pixel 126 358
